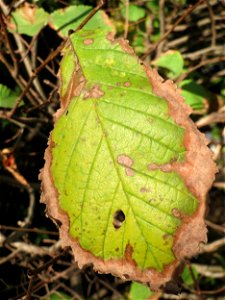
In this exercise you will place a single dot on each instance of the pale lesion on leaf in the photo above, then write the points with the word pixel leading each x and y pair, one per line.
pixel 127 162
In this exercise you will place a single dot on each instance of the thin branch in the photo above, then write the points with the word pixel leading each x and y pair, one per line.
pixel 214 246
pixel 210 271
pixel 185 14
pixel 213 24
pixel 198 53
pixel 216 227
pixel 11 50
pixel 31 230
pixel 53 55
pixel 126 25
pixel 162 26
pixel 28 66
pixel 215 117
pixel 201 64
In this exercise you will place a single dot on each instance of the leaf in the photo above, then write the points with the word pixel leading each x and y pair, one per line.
pixel 58 296
pixel 8 97
pixel 126 171
pixel 173 61
pixel 187 277
pixel 28 19
pixel 139 291
pixel 69 18
pixel 135 12
pixel 195 96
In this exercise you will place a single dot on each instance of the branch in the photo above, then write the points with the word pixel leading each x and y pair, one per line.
pixel 214 246
pixel 185 14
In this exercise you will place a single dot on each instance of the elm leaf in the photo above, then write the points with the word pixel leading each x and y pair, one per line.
pixel 139 291
pixel 172 61
pixel 135 13
pixel 195 95
pixel 28 19
pixel 70 17
pixel 126 171
pixel 8 97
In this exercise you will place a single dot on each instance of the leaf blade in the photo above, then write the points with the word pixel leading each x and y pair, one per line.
pixel 102 173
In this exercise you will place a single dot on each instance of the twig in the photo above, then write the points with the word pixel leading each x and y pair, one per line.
pixel 210 271
pixel 28 66
pixel 186 296
pixel 219 185
pixel 198 53
pixel 196 285
pixel 37 286
pixel 201 64
pixel 29 290
pixel 9 257
pixel 53 55
pixel 36 271
pixel 32 249
pixel 126 26
pixel 21 49
pixel 214 246
pixel 216 227
pixel 218 291
pixel 11 51
pixel 162 25
pixel 215 117
pixel 32 230
pixel 213 24
pixel 185 14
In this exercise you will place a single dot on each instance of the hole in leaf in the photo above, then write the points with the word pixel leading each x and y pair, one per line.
pixel 118 219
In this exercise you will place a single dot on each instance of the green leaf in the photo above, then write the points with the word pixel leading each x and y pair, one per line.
pixel 58 296
pixel 195 96
pixel 135 12
pixel 8 97
pixel 71 17
pixel 116 173
pixel 153 5
pixel 139 291
pixel 172 61
pixel 126 108
pixel 187 277
pixel 28 19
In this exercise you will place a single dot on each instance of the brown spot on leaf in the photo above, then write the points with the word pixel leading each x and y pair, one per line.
pixel 127 84
pixel 144 190
pixel 166 237
pixel 95 92
pixel 127 162
pixel 176 213
pixel 124 160
pixel 88 41
pixel 129 172
pixel 164 168
pixel 110 36
pixel 128 253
